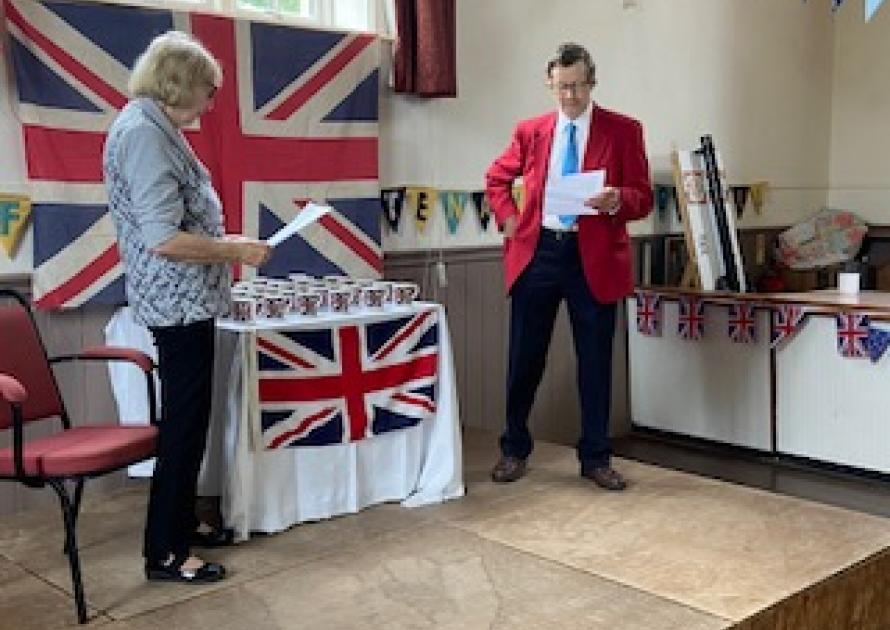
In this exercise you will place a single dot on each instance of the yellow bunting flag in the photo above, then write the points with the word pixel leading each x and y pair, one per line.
pixel 420 203
pixel 14 213
pixel 519 197
pixel 758 195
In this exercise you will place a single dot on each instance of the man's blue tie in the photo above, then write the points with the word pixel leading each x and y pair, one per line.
pixel 570 166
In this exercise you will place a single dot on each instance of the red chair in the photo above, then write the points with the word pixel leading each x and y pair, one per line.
pixel 71 454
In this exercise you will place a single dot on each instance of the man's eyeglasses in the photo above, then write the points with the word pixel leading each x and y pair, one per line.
pixel 573 88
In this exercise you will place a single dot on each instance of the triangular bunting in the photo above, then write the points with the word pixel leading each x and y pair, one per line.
pixel 453 203
pixel 742 324
pixel 14 213
pixel 519 197
pixel 648 314
pixel 787 319
pixel 483 210
pixel 878 342
pixel 739 198
pixel 691 321
pixel 758 195
pixel 392 200
pixel 420 200
pixel 852 335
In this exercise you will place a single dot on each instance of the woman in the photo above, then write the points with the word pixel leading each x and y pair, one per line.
pixel 170 236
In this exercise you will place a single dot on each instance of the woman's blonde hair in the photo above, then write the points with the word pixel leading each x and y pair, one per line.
pixel 172 68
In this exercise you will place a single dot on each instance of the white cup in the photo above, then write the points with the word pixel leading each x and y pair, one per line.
pixel 848 282
pixel 340 299
pixel 373 296
pixel 245 309
pixel 308 303
pixel 404 292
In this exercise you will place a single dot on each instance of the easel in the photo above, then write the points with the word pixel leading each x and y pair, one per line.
pixel 713 258
pixel 690 278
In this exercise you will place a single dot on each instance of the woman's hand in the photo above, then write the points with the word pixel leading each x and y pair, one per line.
pixel 249 251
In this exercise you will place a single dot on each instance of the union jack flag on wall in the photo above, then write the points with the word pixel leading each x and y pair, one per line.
pixel 295 119
pixel 346 383
pixel 691 321
pixel 648 313
pixel 742 323
pixel 852 335
pixel 786 319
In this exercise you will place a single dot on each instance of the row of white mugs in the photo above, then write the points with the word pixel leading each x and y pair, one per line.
pixel 305 295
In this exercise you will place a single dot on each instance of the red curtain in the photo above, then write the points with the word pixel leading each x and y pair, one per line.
pixel 425 60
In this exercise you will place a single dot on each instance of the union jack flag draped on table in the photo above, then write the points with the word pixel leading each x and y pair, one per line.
pixel 852 335
pixel 295 119
pixel 691 321
pixel 742 323
pixel 648 313
pixel 347 383
pixel 786 319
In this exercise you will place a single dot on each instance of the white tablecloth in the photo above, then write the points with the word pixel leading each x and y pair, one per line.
pixel 271 490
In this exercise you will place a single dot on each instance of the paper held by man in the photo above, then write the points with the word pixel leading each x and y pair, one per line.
pixel 310 213
pixel 566 195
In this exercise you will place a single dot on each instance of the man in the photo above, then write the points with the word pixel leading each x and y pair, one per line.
pixel 585 259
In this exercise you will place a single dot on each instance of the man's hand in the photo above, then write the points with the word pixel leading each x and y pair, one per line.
pixel 606 201
pixel 510 226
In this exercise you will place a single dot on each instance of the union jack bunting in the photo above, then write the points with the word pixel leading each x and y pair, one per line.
pixel 742 323
pixel 852 335
pixel 295 119
pixel 878 342
pixel 785 321
pixel 648 313
pixel 347 383
pixel 691 321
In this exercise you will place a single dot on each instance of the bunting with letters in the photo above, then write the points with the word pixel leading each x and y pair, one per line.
pixel 483 210
pixel 453 203
pixel 392 200
pixel 14 213
pixel 420 204
pixel 295 119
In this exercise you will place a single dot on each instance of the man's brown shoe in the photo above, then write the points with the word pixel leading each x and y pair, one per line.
pixel 508 469
pixel 605 477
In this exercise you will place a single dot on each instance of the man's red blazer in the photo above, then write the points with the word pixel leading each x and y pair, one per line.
pixel 615 143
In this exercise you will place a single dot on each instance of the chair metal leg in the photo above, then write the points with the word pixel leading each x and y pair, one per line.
pixel 78 495
pixel 70 517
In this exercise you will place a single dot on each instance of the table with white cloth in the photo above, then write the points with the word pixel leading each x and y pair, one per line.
pixel 267 489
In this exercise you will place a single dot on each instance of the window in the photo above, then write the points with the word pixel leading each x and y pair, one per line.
pixel 374 16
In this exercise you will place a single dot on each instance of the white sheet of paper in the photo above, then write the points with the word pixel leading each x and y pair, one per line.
pixel 310 213
pixel 567 194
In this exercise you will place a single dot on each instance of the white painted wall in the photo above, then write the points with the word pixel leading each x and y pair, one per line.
pixel 756 74
pixel 860 124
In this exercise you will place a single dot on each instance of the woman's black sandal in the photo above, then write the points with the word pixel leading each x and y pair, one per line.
pixel 173 571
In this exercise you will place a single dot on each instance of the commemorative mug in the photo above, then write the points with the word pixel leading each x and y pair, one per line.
pixel 404 292
pixel 278 306
pixel 244 309
pixel 340 300
pixel 307 303
pixel 373 296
